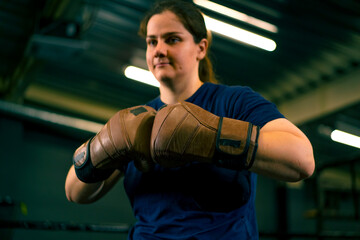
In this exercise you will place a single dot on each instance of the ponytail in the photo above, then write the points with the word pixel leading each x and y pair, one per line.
pixel 206 72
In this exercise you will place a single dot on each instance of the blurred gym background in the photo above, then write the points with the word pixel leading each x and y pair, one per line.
pixel 62 75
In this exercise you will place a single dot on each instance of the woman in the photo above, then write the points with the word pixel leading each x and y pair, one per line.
pixel 199 200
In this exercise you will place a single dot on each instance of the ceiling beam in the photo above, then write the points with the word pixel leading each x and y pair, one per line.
pixel 323 100
pixel 71 103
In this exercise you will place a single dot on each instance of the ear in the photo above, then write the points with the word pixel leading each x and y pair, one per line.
pixel 202 49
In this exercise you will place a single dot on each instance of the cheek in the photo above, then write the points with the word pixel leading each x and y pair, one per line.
pixel 148 60
pixel 187 59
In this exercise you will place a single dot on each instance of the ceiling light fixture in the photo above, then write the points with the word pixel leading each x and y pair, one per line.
pixel 345 138
pixel 239 34
pixel 141 75
pixel 237 15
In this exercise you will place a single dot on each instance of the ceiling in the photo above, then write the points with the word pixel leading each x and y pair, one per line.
pixel 68 57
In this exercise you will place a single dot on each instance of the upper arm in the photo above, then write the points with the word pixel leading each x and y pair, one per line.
pixel 283 125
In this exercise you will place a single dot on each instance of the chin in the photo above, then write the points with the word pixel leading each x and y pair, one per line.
pixel 165 80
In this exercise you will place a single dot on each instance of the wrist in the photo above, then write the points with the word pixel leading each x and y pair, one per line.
pixel 236 152
pixel 84 169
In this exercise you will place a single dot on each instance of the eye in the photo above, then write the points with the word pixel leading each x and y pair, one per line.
pixel 151 42
pixel 173 40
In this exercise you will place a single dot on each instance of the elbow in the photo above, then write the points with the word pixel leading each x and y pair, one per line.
pixel 306 167
pixel 74 196
pixel 69 197
pixel 77 200
pixel 74 199
pixel 306 161
pixel 302 164
pixel 302 173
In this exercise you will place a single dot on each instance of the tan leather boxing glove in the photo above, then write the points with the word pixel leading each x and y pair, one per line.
pixel 183 133
pixel 125 137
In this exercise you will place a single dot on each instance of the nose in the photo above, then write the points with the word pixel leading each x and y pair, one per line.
pixel 161 49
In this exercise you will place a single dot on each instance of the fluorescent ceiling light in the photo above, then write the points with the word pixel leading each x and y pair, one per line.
pixel 345 138
pixel 141 75
pixel 237 15
pixel 239 34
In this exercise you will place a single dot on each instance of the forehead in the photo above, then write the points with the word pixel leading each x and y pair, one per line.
pixel 164 22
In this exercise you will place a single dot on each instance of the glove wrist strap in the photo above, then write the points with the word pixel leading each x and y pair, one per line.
pixel 236 161
pixel 84 168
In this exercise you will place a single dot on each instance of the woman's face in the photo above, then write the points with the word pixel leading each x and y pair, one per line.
pixel 171 52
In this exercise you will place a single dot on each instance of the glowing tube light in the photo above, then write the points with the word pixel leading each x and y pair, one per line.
pixel 345 138
pixel 239 34
pixel 236 15
pixel 141 75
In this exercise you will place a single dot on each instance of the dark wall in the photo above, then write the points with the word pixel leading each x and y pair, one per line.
pixel 34 161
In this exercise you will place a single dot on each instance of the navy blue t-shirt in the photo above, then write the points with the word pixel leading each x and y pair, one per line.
pixel 200 201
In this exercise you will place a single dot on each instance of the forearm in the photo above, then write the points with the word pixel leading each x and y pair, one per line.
pixel 284 155
pixel 80 192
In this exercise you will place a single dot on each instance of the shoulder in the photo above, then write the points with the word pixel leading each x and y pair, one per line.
pixel 233 99
pixel 243 103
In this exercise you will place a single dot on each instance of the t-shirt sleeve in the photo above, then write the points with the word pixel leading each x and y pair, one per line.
pixel 250 106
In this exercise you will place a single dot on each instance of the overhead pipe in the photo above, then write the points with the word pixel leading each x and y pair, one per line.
pixel 50 119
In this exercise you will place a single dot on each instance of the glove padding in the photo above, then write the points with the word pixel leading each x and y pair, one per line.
pixel 124 137
pixel 183 133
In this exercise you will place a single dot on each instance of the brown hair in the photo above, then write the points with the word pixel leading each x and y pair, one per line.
pixel 193 21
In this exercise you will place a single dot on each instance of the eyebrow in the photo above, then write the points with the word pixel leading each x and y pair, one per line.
pixel 165 35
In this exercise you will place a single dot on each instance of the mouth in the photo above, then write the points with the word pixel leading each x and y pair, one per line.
pixel 161 64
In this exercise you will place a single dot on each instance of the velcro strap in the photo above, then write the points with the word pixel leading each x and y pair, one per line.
pixel 84 168
pixel 233 142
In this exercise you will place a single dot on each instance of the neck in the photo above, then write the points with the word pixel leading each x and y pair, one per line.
pixel 171 92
